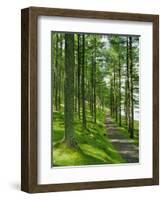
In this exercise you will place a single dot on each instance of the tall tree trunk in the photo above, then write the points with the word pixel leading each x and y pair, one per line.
pixel 131 91
pixel 83 82
pixel 56 73
pixel 75 78
pixel 79 75
pixel 53 70
pixel 94 83
pixel 60 75
pixel 119 73
pixel 69 89
pixel 114 94
pixel 63 69
pixel 128 87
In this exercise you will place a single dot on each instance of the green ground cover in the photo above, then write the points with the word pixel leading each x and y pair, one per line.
pixel 92 144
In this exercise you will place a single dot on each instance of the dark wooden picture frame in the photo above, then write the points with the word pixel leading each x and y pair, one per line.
pixel 29 99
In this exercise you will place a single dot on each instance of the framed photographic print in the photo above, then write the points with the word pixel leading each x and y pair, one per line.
pixel 90 99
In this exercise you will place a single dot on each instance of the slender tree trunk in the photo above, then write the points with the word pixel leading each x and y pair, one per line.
pixel 94 83
pixel 116 108
pixel 60 75
pixel 75 78
pixel 125 104
pixel 53 70
pixel 114 89
pixel 56 74
pixel 83 82
pixel 131 91
pixel 111 97
pixel 79 74
pixel 76 91
pixel 128 87
pixel 63 70
pixel 119 88
pixel 69 89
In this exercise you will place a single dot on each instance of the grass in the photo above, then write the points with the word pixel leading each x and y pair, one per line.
pixel 66 156
pixel 92 144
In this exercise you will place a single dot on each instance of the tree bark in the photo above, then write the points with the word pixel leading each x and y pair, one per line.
pixel 83 82
pixel 94 81
pixel 128 87
pixel 79 74
pixel 92 90
pixel 131 91
pixel 111 97
pixel 56 73
pixel 69 89
pixel 119 73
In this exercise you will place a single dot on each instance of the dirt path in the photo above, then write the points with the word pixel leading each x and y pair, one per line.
pixel 126 147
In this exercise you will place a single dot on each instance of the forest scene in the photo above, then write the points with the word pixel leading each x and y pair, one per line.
pixel 95 99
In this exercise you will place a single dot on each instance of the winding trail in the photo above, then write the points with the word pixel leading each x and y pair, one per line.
pixel 126 147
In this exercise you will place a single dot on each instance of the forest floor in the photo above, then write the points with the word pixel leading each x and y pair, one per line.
pixel 103 142
pixel 125 146
pixel 92 144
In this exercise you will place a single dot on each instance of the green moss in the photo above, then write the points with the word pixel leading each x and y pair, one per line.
pixel 66 156
pixel 92 143
pixel 97 153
